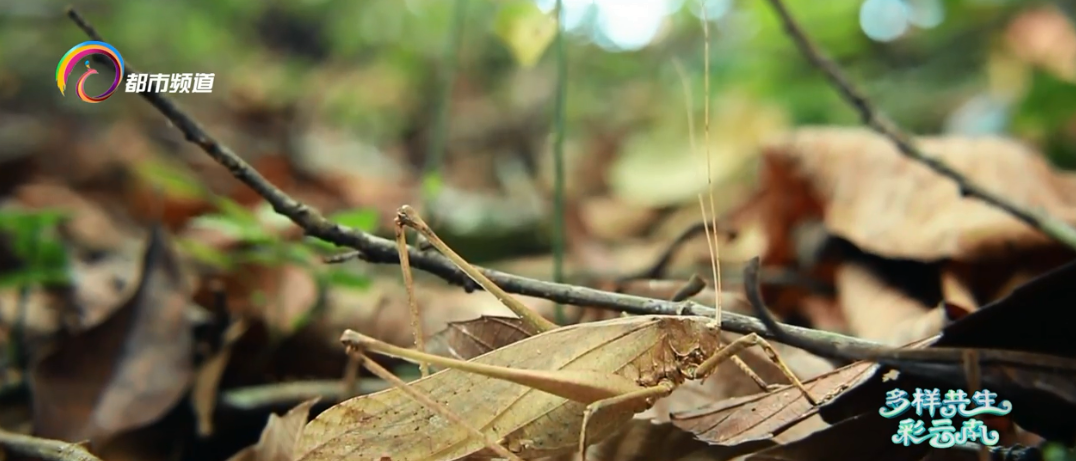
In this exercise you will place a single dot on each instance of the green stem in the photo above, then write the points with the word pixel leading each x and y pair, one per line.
pixel 436 151
pixel 558 161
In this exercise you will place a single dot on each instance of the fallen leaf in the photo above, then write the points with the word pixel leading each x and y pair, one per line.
pixel 874 309
pixel 278 439
pixel 1045 37
pixel 207 379
pixel 639 440
pixel 612 219
pixel 1034 318
pixel 100 285
pixel 862 437
pixel 381 310
pixel 642 441
pixel 762 416
pixel 87 225
pixel 888 205
pixel 471 338
pixel 954 285
pixel 128 370
pixel 40 320
pixel 292 292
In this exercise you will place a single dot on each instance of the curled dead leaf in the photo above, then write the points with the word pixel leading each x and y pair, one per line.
pixel 1028 338
pixel 878 311
pixel 762 416
pixel 207 379
pixel 128 370
pixel 278 439
pixel 888 205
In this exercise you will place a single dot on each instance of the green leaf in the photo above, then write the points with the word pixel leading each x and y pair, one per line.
pixel 364 219
pixel 320 245
pixel 36 243
pixel 239 229
pixel 235 211
pixel 173 178
pixel 50 254
pixel 432 183
pixel 205 254
pixel 1050 103
pixel 262 256
pixel 297 253
pixel 525 30
pixel 345 278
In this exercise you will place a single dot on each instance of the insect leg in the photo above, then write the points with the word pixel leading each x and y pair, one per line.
pixel 428 402
pixel 408 217
pixel 661 390
pixel 745 342
pixel 409 284
pixel 582 386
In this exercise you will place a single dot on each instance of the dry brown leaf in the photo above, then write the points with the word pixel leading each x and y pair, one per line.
pixel 1045 37
pixel 729 381
pixel 278 439
pixel 954 286
pixel 292 291
pixel 823 312
pixel 128 370
pixel 88 224
pixel 471 338
pixel 762 416
pixel 641 440
pixel 380 310
pixel 891 206
pixel 860 438
pixel 610 218
pixel 40 320
pixel 101 285
pixel 874 309
pixel 207 379
pixel 880 312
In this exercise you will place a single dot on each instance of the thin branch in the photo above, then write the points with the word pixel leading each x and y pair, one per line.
pixel 378 250
pixel 872 117
pixel 46 449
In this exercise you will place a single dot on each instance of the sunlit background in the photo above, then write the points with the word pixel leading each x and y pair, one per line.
pixel 627 25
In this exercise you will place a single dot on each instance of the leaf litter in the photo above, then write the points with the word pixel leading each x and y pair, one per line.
pixel 280 436
pixel 127 371
pixel 278 174
pixel 639 440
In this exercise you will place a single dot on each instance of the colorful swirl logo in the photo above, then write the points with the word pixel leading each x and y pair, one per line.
pixel 80 54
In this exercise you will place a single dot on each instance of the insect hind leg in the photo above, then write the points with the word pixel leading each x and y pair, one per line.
pixel 739 345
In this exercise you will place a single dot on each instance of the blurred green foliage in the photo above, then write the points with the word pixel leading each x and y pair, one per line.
pixel 375 67
pixel 294 47
pixel 36 244
pixel 259 243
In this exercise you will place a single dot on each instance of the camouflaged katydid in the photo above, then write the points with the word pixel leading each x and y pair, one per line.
pixel 545 395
